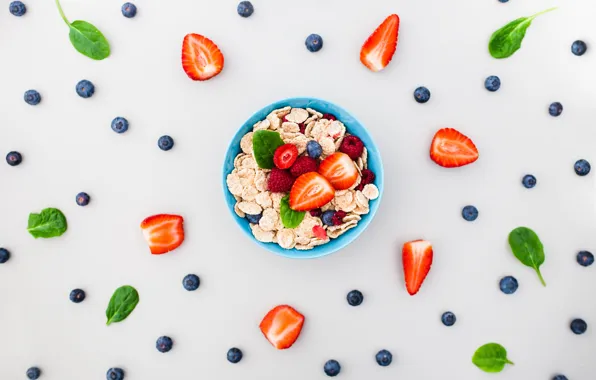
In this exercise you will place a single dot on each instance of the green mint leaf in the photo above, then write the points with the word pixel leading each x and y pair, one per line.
pixel 289 217
pixel 528 249
pixel 491 357
pixel 123 302
pixel 508 39
pixel 88 40
pixel 264 144
pixel 50 222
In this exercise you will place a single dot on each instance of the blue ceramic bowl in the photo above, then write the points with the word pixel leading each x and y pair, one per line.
pixel 354 127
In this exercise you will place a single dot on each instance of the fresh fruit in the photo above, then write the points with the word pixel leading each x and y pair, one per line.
pixel 448 318
pixel 584 258
pixel 254 219
pixel 377 51
pixel 578 326
pixel 165 143
pixel 555 109
pixel 327 217
pixel 245 9
pixel 164 344
pixel 451 149
pixel 332 368
pixel 314 149
pixel 115 374
pixel 319 232
pixel 33 373
pixel 329 116
pixel 316 212
pixel 85 89
pixel 417 257
pixel 492 83
pixel 119 125
pixel 366 177
pixel 14 158
pixel 83 199
pixel 32 97
pixel 191 282
pixel 352 146
pixel 280 181
pixel 340 171
pixel 281 326
pixel 529 181
pixel 582 167
pixel 4 255
pixel 163 232
pixel 422 95
pixel 314 43
pixel 17 8
pixel 129 10
pixel 338 218
pixel 303 165
pixel 201 58
pixel 508 284
pixel 469 213
pixel 384 358
pixel 285 156
pixel 579 48
pixel 355 298
pixel 503 1
pixel 77 295
pixel 560 377
pixel 234 355
pixel 310 191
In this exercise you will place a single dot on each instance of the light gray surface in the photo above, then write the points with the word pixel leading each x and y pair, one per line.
pixel 68 147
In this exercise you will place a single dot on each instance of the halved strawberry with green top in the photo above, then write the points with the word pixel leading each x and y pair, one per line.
pixel 340 170
pixel 452 149
pixel 163 232
pixel 417 257
pixel 310 191
pixel 201 58
pixel 285 156
pixel 282 326
pixel 379 48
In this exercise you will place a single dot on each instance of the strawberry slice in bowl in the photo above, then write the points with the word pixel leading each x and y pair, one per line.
pixel 163 232
pixel 340 170
pixel 310 191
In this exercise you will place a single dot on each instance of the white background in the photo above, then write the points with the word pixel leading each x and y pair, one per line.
pixel 68 146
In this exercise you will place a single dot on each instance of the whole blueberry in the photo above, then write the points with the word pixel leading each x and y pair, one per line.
pixel 165 142
pixel 492 83
pixel 508 284
pixel 83 199
pixel 254 219
pixel 191 282
pixel 17 8
pixel 503 1
pixel 355 298
pixel 234 355
pixel 129 10
pixel 555 109
pixel 4 255
pixel 115 374
pixel 579 47
pixel 327 217
pixel 332 368
pixel 582 167
pixel 119 125
pixel 529 181
pixel 85 89
pixel 314 149
pixel 77 295
pixel 164 344
pixel 578 326
pixel 585 258
pixel 314 43
pixel 560 377
pixel 33 373
pixel 384 358
pixel 422 94
pixel 14 158
pixel 32 97
pixel 469 213
pixel 448 318
pixel 245 8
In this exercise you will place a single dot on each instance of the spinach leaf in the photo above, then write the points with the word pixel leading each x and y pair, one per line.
pixel 50 222
pixel 123 302
pixel 528 249
pixel 507 40
pixel 289 217
pixel 491 357
pixel 264 144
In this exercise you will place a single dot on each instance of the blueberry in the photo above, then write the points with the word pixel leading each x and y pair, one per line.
pixel 582 167
pixel 83 199
pixel 503 1
pixel 314 43
pixel 332 368
pixel 529 181
pixel 578 326
pixel 560 377
pixel 14 158
pixel 584 258
pixel 129 10
pixel 115 374
pixel 245 8
pixel 234 355
pixel 422 94
pixel 164 344
pixel 191 282
pixel 508 284
pixel 33 373
pixel 469 213
pixel 384 358
pixel 355 298
pixel 85 89
pixel 17 8
pixel 77 295
pixel 314 149
pixel 579 47
pixel 254 219
pixel 4 255
pixel 32 97
pixel 448 318
pixel 492 83
pixel 555 109
pixel 119 125
pixel 165 142
pixel 327 217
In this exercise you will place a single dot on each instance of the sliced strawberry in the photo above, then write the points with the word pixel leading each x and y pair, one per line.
pixel 319 232
pixel 282 326
pixel 340 170
pixel 285 156
pixel 417 258
pixel 379 48
pixel 310 191
pixel 451 149
pixel 201 58
pixel 163 232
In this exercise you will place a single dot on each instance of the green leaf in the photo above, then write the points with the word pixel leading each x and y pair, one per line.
pixel 508 39
pixel 88 40
pixel 264 144
pixel 491 357
pixel 289 217
pixel 123 302
pixel 528 249
pixel 50 222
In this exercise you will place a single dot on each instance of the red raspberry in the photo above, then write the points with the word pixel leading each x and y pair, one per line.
pixel 316 212
pixel 280 181
pixel 303 164
pixel 366 178
pixel 302 128
pixel 352 146
pixel 338 218
pixel 329 116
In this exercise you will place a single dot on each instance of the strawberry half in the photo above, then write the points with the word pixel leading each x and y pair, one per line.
pixel 417 258
pixel 310 191
pixel 163 232
pixel 201 58
pixel 340 170
pixel 282 326
pixel 452 149
pixel 377 51
pixel 285 156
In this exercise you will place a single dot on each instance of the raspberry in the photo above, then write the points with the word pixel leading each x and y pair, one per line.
pixel 366 178
pixel 302 128
pixel 280 181
pixel 329 116
pixel 338 218
pixel 316 212
pixel 303 165
pixel 352 146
